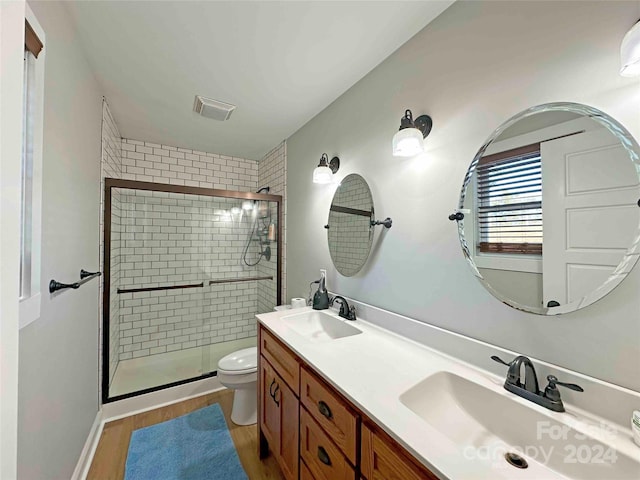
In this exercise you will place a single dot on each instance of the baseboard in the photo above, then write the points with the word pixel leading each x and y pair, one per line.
pixel 134 405
pixel 89 449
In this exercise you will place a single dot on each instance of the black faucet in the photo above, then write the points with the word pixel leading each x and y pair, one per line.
pixel 528 389
pixel 347 312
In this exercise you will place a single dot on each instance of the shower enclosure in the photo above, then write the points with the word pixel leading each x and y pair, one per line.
pixel 186 271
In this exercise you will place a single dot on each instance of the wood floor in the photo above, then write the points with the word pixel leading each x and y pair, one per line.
pixel 111 454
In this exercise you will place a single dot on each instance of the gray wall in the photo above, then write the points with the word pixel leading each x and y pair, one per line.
pixel 476 65
pixel 58 370
pixel 524 288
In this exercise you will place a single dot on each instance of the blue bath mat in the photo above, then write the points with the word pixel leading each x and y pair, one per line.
pixel 196 446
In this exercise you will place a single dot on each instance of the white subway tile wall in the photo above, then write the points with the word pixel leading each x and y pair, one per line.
pixel 176 239
pixel 350 235
pixel 199 227
pixel 272 172
pixel 111 166
pixel 151 162
pixel 166 239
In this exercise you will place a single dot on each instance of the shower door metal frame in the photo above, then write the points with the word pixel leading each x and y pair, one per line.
pixel 111 183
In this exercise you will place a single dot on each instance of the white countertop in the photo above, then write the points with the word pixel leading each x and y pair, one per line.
pixel 374 368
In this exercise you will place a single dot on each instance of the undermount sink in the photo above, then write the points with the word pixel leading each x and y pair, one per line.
pixel 319 326
pixel 486 424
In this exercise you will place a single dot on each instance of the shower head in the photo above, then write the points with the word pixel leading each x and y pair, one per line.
pixel 261 203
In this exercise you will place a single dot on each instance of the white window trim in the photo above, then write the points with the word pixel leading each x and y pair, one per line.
pixel 496 261
pixel 30 306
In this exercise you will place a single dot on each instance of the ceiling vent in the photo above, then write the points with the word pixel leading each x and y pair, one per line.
pixel 207 107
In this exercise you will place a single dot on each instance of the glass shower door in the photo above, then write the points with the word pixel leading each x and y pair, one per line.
pixel 188 272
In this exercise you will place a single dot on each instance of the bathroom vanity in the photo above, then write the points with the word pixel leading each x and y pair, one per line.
pixel 351 400
pixel 316 433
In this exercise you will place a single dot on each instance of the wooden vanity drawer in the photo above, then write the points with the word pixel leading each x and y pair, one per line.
pixel 322 457
pixel 305 474
pixel 282 359
pixel 331 412
pixel 382 459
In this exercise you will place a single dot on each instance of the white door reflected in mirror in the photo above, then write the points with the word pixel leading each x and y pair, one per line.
pixel 554 216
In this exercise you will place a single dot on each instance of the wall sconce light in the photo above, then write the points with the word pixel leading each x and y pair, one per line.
pixel 323 173
pixel 409 140
pixel 630 52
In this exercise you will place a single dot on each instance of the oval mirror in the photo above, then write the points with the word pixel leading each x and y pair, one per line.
pixel 349 230
pixel 551 211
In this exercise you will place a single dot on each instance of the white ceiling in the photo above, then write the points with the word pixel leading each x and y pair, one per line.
pixel 281 63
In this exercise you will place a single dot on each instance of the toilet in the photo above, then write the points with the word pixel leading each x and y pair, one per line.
pixel 239 371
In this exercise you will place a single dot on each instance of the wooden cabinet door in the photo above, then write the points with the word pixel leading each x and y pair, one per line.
pixel 289 430
pixel 383 459
pixel 269 410
pixel 279 419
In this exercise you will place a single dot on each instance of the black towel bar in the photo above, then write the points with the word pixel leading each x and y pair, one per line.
pixel 85 276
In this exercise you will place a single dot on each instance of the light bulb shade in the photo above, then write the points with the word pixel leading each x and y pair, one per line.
pixel 322 174
pixel 408 142
pixel 630 53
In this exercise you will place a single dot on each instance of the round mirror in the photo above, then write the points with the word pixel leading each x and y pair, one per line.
pixel 551 208
pixel 349 230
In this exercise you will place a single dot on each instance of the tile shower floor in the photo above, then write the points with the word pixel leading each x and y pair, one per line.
pixel 155 370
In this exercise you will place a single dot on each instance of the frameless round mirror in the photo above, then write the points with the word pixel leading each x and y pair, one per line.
pixel 350 233
pixel 551 208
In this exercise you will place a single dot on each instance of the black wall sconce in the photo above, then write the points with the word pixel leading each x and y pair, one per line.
pixel 409 140
pixel 325 170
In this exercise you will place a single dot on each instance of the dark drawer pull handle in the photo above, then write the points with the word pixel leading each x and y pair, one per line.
pixel 323 456
pixel 324 409
pixel 271 387
pixel 274 395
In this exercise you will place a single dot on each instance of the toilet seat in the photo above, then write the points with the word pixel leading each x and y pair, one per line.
pixel 237 372
pixel 241 362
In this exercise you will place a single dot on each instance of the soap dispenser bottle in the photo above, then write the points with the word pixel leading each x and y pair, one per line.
pixel 321 297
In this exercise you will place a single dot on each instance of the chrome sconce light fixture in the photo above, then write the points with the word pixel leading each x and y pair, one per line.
pixel 630 52
pixel 323 173
pixel 409 140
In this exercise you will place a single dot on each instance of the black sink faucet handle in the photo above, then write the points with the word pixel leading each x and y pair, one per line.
pixel 553 381
pixel 499 360
pixel 552 392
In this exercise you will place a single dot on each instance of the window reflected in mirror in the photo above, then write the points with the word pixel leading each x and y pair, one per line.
pixel 553 222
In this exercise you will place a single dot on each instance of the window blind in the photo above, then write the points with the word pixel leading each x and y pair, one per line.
pixel 509 202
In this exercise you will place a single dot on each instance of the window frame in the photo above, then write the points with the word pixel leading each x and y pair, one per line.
pixel 513 155
pixel 31 189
